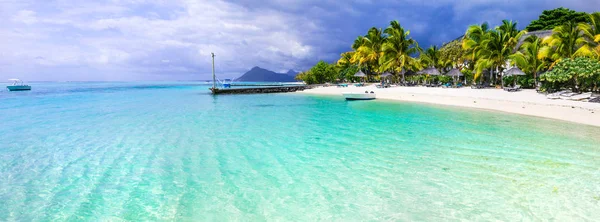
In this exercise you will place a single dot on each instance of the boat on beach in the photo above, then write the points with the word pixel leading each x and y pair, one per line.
pixel 18 85
pixel 359 95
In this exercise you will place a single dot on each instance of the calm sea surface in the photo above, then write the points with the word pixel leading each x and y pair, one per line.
pixel 171 151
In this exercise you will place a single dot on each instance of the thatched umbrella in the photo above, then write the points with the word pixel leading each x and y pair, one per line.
pixel 360 74
pixel 514 71
pixel 454 73
pixel 383 76
pixel 405 73
pixel 430 71
pixel 386 74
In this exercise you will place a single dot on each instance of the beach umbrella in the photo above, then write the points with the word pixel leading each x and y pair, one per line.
pixel 454 72
pixel 430 71
pixel 514 71
pixel 383 76
pixel 386 74
pixel 360 74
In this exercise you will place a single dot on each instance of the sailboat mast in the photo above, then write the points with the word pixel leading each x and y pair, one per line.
pixel 213 71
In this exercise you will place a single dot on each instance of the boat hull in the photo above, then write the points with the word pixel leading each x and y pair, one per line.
pixel 18 88
pixel 359 96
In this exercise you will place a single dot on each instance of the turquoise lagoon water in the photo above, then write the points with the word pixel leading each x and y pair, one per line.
pixel 171 151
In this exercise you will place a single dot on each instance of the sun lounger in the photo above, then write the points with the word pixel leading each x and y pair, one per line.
pixel 567 95
pixel 342 85
pixel 513 89
pixel 478 86
pixel 556 95
pixel 579 97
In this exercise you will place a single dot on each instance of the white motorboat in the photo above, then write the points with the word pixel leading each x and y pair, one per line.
pixel 18 86
pixel 359 95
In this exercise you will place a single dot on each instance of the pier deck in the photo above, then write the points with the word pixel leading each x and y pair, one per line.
pixel 273 89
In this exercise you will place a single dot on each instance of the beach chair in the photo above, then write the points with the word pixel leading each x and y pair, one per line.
pixel 477 86
pixel 513 89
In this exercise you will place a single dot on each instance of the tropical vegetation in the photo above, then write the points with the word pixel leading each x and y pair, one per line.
pixel 482 54
pixel 580 73
pixel 320 73
pixel 549 19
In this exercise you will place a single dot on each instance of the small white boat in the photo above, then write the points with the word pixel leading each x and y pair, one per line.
pixel 18 85
pixel 359 96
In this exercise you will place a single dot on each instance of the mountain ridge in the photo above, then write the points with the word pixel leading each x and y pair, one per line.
pixel 258 74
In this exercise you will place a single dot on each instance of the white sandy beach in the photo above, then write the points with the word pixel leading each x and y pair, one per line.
pixel 525 102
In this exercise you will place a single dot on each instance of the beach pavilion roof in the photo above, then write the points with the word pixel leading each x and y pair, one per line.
pixel 360 74
pixel 454 72
pixel 386 74
pixel 514 71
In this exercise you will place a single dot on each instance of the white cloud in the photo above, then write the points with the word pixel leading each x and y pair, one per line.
pixel 174 38
pixel 126 33
pixel 25 16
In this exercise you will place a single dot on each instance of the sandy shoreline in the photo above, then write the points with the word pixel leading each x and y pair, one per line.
pixel 525 102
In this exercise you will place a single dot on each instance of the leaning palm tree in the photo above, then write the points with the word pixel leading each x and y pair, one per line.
pixel 431 57
pixel 497 46
pixel 472 43
pixel 369 50
pixel 358 42
pixel 528 58
pixel 591 31
pixel 345 59
pixel 473 37
pixel 397 50
pixel 566 41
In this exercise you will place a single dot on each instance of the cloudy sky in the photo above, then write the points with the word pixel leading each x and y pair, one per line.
pixel 57 40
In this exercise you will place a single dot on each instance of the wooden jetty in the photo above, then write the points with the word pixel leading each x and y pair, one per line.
pixel 274 89
pixel 261 88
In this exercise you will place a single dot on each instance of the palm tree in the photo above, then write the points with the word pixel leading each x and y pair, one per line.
pixel 431 57
pixel 369 50
pixel 591 32
pixel 358 42
pixel 472 43
pixel 345 59
pixel 497 45
pixel 473 38
pixel 566 41
pixel 528 58
pixel 397 50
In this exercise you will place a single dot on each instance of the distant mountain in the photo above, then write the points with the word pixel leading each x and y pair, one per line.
pixel 258 74
pixel 291 72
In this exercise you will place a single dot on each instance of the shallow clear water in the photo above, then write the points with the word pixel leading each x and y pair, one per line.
pixel 170 151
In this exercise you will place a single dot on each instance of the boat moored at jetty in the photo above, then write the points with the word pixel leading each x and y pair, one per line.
pixel 359 95
pixel 18 85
